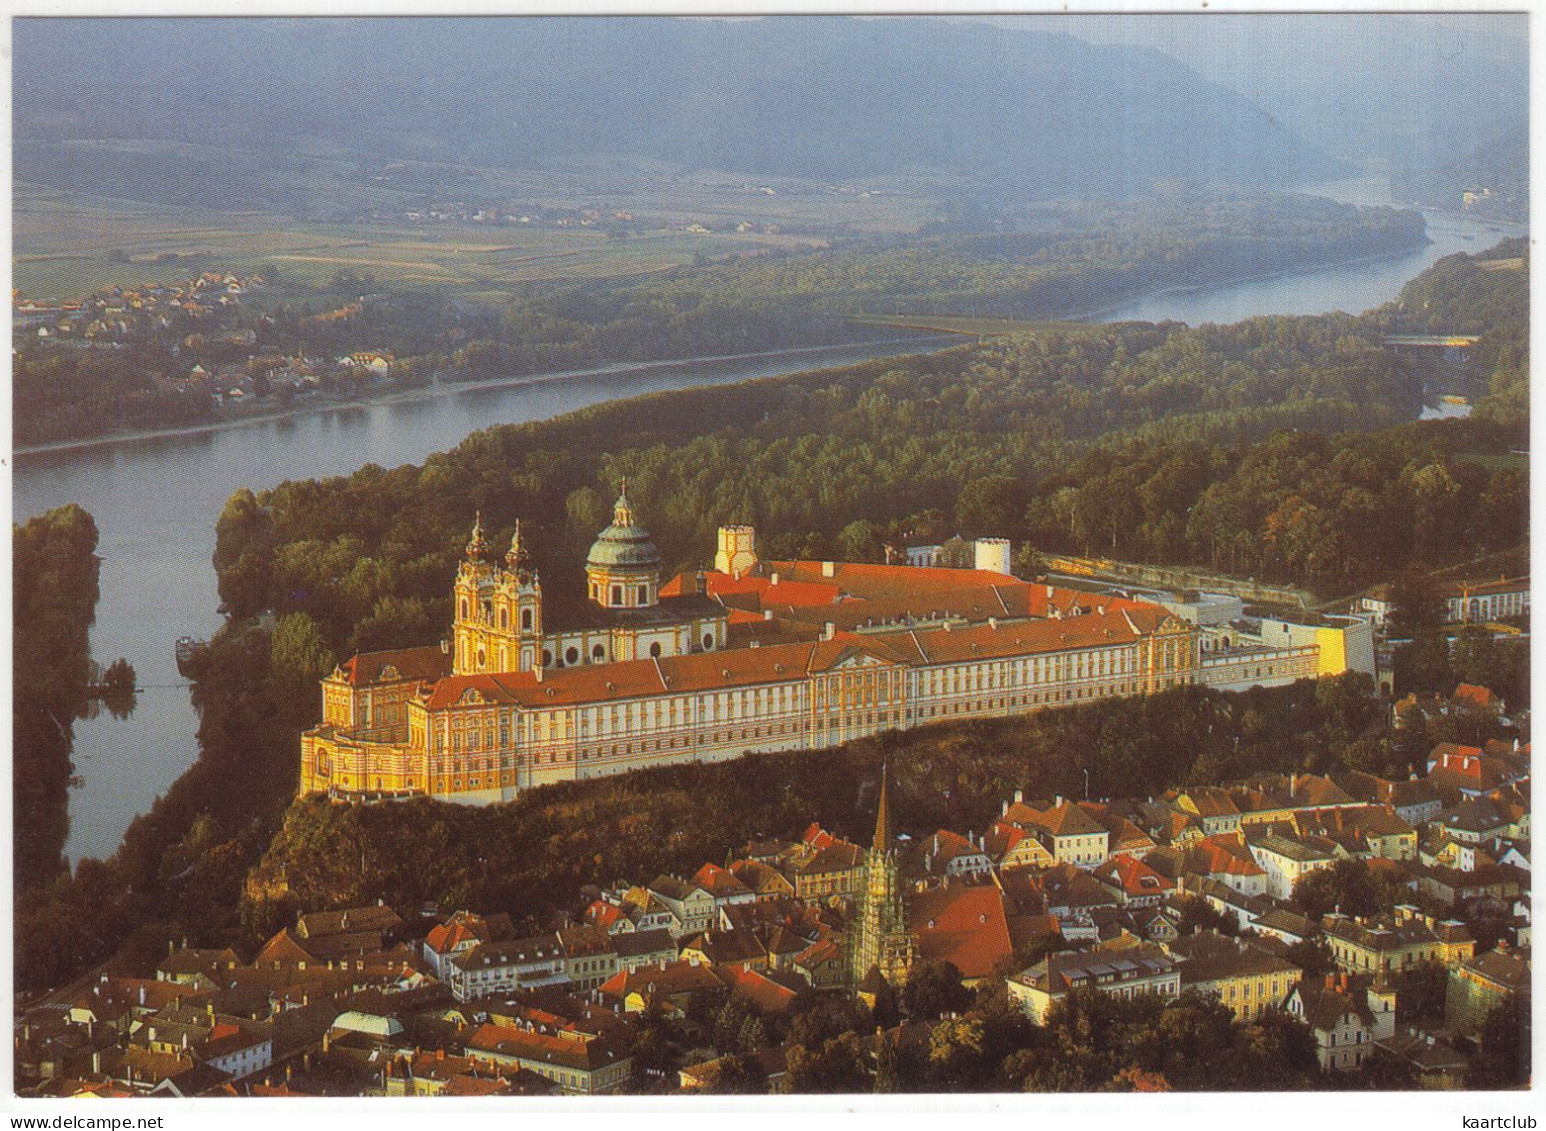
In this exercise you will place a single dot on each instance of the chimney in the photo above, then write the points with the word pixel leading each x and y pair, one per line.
pixel 993 623
pixel 828 630
pixel 828 569
pixel 767 614
pixel 1331 981
pixel 1344 983
pixel 773 580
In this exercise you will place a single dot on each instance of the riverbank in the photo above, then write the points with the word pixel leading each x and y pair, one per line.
pixel 390 396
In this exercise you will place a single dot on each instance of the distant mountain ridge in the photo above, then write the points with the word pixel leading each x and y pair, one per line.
pixel 825 98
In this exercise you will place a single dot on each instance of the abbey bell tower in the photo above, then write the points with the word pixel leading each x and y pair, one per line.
pixel 498 613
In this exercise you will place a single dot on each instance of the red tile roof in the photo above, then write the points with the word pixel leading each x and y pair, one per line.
pixel 963 925
pixel 719 882
pixel 1476 696
pixel 427 663
pixel 762 992
pixel 1132 876
pixel 629 679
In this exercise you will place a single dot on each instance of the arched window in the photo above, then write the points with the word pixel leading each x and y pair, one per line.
pixel 598 653
pixel 504 617
pixel 644 594
pixel 547 658
pixel 571 655
pixel 655 650
pixel 463 606
pixel 526 619
pixel 617 594
pixel 708 641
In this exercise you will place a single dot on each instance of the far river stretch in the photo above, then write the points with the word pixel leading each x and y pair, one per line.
pixel 156 500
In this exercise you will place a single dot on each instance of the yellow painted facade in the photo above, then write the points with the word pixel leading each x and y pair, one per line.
pixel 512 705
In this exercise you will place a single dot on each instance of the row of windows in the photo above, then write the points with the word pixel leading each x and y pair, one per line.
pixel 504 615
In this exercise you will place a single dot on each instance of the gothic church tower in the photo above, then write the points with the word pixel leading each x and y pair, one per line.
pixel 882 939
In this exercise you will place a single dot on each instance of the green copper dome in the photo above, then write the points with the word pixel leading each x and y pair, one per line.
pixel 624 544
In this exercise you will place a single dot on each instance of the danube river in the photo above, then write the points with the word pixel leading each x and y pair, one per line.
pixel 156 499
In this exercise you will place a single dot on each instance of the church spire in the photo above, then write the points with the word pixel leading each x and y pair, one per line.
pixel 882 818
pixel 477 546
pixel 516 557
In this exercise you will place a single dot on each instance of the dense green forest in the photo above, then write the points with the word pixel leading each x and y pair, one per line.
pixel 1221 445
pixel 54 592
pixel 1075 259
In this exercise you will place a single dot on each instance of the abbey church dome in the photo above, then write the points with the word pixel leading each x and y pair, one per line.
pixel 624 544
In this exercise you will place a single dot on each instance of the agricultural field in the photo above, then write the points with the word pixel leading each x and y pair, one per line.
pixel 66 246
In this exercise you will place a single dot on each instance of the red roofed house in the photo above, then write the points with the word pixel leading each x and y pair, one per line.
pixel 1133 882
pixel 946 853
pixel 723 885
pixel 580 1065
pixel 1066 830
pixel 966 926
pixel 1122 969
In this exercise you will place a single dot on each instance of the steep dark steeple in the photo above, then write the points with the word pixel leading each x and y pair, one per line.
pixel 883 835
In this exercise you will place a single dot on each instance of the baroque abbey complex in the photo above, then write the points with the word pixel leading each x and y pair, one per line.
pixel 748 656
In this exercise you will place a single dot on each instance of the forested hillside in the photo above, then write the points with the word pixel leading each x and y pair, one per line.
pixel 825 98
